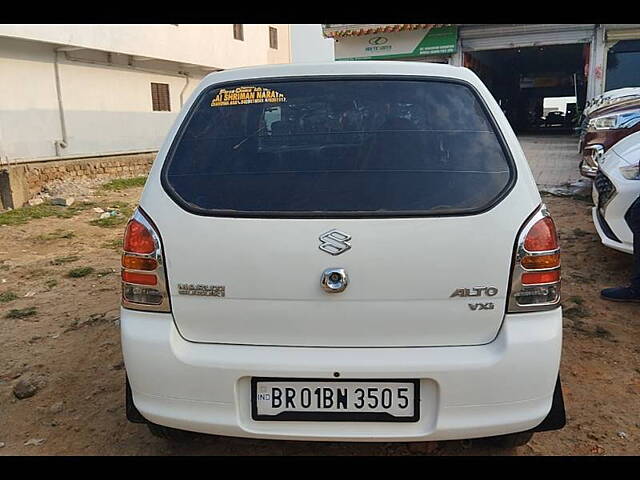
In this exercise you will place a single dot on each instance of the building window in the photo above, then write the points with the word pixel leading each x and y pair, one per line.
pixel 238 31
pixel 273 37
pixel 160 97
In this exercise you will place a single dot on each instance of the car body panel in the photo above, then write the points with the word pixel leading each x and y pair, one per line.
pixel 624 153
pixel 399 268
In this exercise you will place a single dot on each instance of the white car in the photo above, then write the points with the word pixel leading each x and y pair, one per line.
pixel 615 188
pixel 350 251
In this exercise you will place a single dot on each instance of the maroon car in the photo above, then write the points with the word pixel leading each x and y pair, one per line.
pixel 605 126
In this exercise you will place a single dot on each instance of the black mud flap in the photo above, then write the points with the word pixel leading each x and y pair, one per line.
pixel 556 418
pixel 133 415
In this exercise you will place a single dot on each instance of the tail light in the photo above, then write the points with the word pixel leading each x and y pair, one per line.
pixel 535 278
pixel 144 282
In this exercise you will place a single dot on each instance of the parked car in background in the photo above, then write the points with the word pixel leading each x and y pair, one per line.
pixel 615 188
pixel 349 251
pixel 554 119
pixel 606 122
pixel 609 97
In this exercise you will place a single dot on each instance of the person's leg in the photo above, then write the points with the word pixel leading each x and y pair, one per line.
pixel 632 292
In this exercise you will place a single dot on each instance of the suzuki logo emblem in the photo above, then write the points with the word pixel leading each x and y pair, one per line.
pixel 335 242
pixel 378 41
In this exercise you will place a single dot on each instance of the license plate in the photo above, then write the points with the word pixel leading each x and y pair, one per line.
pixel 286 399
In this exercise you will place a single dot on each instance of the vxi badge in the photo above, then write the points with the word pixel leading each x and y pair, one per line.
pixel 477 292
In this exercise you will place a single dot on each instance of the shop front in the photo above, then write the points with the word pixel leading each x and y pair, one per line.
pixel 530 67
pixel 525 66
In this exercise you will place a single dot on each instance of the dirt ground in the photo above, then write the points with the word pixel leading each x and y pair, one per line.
pixel 70 347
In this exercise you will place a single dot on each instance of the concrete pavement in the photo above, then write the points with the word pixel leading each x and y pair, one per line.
pixel 553 158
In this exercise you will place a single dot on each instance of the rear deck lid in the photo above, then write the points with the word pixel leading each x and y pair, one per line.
pixel 396 181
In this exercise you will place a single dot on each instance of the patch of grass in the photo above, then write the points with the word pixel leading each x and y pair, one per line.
pixel 581 278
pixel 603 332
pixel 80 272
pixel 125 213
pixel 21 313
pixel 576 299
pixel 63 260
pixel 124 183
pixel 579 326
pixel 102 273
pixel 51 283
pixel 7 297
pixel 22 215
pixel 115 244
pixel 577 312
pixel 110 222
pixel 36 272
pixel 56 235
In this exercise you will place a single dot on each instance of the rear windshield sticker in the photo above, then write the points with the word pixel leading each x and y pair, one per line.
pixel 246 95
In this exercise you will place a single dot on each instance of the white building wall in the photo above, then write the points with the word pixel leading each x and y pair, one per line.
pixel 106 109
pixel 107 102
pixel 109 109
pixel 309 45
pixel 29 120
pixel 208 45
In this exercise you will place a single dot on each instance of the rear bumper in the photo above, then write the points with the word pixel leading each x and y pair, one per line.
pixel 502 387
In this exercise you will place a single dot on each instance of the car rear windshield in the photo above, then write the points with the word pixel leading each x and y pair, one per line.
pixel 337 147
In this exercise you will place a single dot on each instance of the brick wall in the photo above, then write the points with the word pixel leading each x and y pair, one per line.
pixel 20 183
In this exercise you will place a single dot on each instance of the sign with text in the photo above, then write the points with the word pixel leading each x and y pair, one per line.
pixel 413 43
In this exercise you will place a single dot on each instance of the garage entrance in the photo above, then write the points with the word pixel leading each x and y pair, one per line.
pixel 522 78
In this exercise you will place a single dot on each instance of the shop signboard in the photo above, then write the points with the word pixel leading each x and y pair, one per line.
pixel 403 44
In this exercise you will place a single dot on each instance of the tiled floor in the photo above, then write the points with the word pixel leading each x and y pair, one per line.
pixel 553 158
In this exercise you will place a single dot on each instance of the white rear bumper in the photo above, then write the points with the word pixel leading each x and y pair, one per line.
pixel 502 387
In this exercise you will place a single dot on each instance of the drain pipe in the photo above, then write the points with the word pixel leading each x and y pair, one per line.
pixel 186 76
pixel 63 127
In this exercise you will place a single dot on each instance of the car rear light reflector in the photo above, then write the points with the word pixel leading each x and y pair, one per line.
pixel 533 296
pixel 533 262
pixel 139 278
pixel 139 263
pixel 137 238
pixel 142 295
pixel 535 278
pixel 144 280
pixel 542 236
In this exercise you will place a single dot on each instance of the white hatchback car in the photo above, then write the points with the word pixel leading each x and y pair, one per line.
pixel 615 188
pixel 347 251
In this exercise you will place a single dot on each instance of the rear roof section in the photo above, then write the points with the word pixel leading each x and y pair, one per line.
pixel 342 68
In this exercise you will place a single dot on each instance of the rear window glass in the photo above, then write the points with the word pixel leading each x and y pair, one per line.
pixel 354 147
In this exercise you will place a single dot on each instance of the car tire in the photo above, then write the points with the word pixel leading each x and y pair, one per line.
pixel 171 434
pixel 511 440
